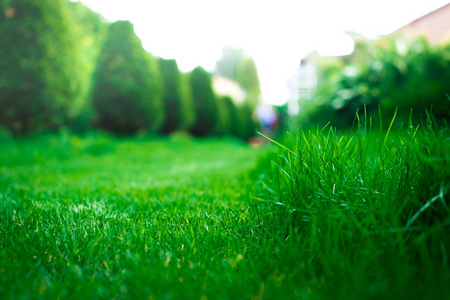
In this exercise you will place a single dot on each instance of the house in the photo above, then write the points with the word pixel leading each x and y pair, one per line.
pixel 302 85
pixel 434 25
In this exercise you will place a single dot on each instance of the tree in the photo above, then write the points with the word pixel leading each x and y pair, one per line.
pixel 177 98
pixel 248 126
pixel 127 94
pixel 247 77
pixel 186 90
pixel 39 60
pixel 227 65
pixel 91 31
pixel 391 74
pixel 223 123
pixel 236 65
pixel 205 104
pixel 234 118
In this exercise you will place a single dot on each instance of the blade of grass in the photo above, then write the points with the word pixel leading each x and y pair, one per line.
pixel 390 126
pixel 278 144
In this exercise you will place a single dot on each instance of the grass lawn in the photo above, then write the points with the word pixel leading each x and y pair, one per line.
pixel 102 217
pixel 175 218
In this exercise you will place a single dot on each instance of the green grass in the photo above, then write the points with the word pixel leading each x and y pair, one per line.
pixel 102 217
pixel 336 216
pixel 369 209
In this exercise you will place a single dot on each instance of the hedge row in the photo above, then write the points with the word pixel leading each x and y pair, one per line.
pixel 62 65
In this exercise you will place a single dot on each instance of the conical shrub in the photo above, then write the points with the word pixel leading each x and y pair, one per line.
pixel 127 93
pixel 39 60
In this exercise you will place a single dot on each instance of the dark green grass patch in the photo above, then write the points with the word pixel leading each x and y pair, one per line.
pixel 368 209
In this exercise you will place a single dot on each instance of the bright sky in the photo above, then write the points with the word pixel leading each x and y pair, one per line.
pixel 277 34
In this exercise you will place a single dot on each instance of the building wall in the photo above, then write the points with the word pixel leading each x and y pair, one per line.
pixel 302 86
pixel 435 26
pixel 223 86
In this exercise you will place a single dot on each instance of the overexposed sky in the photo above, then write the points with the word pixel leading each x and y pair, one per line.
pixel 277 34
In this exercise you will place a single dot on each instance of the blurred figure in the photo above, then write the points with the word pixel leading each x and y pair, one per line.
pixel 268 119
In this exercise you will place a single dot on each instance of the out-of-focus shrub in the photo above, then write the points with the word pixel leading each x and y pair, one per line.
pixel 223 124
pixel 39 81
pixel 284 121
pixel 127 93
pixel 235 119
pixel 205 103
pixel 248 124
pixel 235 122
pixel 230 119
pixel 91 30
pixel 178 104
pixel 390 74
pixel 247 77
pixel 414 76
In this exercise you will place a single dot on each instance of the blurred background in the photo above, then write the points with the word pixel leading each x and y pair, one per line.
pixel 214 68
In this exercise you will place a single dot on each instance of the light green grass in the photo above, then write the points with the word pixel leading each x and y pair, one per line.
pixel 362 215
pixel 103 218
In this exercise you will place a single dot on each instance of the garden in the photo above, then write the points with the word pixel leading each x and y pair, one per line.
pixel 122 177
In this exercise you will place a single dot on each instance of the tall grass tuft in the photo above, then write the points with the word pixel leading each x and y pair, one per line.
pixel 369 205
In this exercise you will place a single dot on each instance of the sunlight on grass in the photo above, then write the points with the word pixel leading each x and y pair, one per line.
pixel 329 215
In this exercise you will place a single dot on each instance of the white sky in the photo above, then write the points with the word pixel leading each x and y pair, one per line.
pixel 277 34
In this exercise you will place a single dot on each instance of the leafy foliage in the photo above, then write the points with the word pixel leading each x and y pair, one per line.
pixel 127 93
pixel 90 30
pixel 177 98
pixel 228 63
pixel 236 65
pixel 247 77
pixel 205 103
pixel 38 55
pixel 248 125
pixel 389 73
pixel 234 120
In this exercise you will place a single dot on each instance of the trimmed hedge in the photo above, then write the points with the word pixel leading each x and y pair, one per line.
pixel 205 103
pixel 38 56
pixel 127 93
pixel 177 98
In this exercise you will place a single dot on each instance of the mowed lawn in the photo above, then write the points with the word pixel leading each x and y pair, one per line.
pixel 332 216
pixel 101 217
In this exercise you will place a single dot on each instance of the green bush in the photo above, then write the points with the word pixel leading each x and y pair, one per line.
pixel 234 119
pixel 127 92
pixel 248 125
pixel 389 73
pixel 223 124
pixel 177 99
pixel 205 103
pixel 247 77
pixel 39 82
pixel 415 75
pixel 91 30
